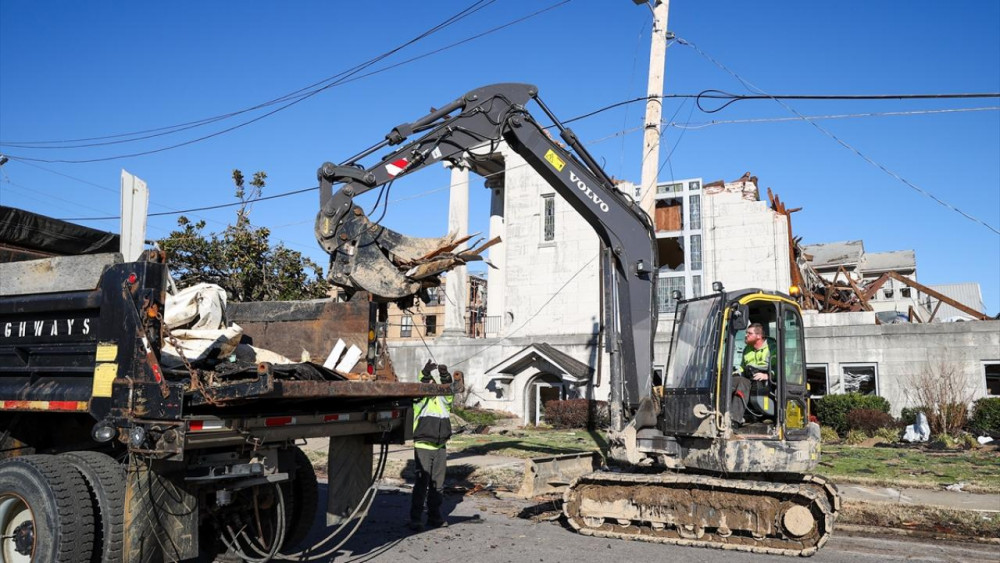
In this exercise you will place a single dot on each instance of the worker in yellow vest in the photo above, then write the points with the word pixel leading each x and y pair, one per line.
pixel 758 361
pixel 431 431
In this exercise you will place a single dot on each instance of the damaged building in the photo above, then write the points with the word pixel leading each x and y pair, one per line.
pixel 870 326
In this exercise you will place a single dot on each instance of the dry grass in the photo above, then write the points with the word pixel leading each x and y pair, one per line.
pixel 924 519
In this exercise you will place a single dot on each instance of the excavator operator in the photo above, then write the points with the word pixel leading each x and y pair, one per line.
pixel 756 365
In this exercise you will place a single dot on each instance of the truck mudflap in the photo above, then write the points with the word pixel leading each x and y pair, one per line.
pixel 787 515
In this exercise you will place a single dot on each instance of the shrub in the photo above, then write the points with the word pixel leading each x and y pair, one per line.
pixel 942 442
pixel 887 435
pixel 986 416
pixel 829 435
pixel 855 437
pixel 477 416
pixel 908 415
pixel 832 410
pixel 577 413
pixel 869 420
pixel 946 392
pixel 969 442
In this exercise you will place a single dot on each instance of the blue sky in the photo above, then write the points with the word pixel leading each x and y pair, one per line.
pixel 72 70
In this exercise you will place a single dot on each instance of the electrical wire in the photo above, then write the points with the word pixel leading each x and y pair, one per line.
pixel 300 93
pixel 829 116
pixel 296 100
pixel 843 143
pixel 608 107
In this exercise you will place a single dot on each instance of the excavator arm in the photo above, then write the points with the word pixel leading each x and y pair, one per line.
pixel 392 266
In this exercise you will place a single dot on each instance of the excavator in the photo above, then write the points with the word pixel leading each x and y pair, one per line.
pixel 686 473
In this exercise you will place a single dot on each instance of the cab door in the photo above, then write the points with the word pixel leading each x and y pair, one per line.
pixel 794 411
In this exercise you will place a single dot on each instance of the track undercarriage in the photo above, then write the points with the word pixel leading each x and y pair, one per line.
pixel 791 515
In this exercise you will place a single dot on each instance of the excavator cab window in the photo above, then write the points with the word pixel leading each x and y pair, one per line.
pixel 778 405
pixel 763 412
pixel 690 383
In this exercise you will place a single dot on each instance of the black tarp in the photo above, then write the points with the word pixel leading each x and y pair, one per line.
pixel 25 236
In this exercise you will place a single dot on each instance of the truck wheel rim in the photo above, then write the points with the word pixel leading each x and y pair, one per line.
pixel 14 514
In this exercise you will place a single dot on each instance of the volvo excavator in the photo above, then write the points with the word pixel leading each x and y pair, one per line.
pixel 685 473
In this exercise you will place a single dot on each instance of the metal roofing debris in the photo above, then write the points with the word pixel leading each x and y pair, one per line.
pixel 833 254
pixel 844 293
pixel 896 260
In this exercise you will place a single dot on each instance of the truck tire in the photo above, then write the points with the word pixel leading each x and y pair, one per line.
pixel 106 482
pixel 46 503
pixel 143 543
pixel 301 498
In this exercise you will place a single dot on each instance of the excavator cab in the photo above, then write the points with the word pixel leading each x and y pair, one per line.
pixel 781 397
pixel 699 392
pixel 745 487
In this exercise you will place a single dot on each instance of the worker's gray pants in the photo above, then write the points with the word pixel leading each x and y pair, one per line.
pixel 741 396
pixel 431 466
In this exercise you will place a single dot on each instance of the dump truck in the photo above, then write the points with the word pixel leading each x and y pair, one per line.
pixel 109 454
pixel 694 475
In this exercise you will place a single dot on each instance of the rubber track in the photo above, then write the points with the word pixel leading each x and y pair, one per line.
pixel 814 488
pixel 75 519
pixel 110 478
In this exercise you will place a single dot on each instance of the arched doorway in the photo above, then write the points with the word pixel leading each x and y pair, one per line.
pixel 539 389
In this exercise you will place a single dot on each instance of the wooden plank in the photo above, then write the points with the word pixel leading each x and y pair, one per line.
pixel 948 300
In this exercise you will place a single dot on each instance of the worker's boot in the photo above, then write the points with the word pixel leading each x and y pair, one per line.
pixel 437 522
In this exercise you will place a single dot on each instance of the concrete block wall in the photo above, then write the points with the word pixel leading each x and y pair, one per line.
pixel 745 244
pixel 554 284
pixel 903 351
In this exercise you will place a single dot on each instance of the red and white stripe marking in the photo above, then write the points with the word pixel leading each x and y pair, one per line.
pixel 395 167
pixel 67 406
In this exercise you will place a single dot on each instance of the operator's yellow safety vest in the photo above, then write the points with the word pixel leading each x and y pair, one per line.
pixel 760 359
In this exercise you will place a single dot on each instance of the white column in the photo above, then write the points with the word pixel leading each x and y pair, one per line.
pixel 496 278
pixel 458 221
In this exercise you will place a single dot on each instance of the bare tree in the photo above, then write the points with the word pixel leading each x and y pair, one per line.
pixel 945 395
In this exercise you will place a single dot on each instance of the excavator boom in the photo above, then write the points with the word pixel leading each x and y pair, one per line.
pixel 391 266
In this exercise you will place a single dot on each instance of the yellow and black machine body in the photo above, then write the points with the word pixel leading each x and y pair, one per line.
pixel 692 477
pixel 709 481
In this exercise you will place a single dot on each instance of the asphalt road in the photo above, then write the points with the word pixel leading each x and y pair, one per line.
pixel 484 529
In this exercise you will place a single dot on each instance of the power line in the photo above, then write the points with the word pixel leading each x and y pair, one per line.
pixel 669 123
pixel 301 92
pixel 841 142
pixel 205 208
pixel 835 116
pixel 296 99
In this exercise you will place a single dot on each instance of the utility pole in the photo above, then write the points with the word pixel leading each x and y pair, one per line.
pixel 650 161
pixel 654 102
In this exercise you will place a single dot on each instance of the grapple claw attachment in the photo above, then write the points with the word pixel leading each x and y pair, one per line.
pixel 389 265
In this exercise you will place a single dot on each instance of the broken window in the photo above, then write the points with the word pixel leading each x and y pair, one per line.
pixel 668 215
pixel 860 378
pixel 904 292
pixel 406 326
pixel 431 324
pixel 670 253
pixel 695 185
pixel 548 217
pixel 992 372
